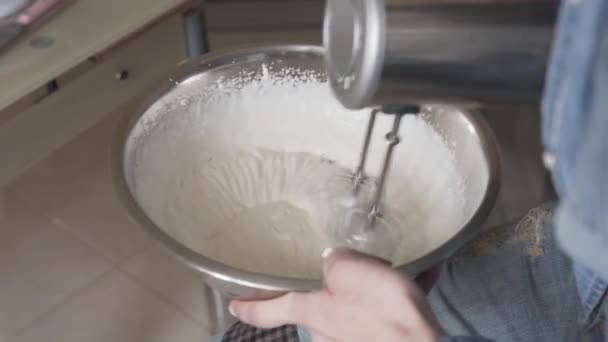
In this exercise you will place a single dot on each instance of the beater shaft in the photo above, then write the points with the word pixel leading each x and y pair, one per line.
pixel 393 140
pixel 360 172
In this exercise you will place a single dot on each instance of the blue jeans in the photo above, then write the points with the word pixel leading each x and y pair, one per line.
pixel 511 284
pixel 575 131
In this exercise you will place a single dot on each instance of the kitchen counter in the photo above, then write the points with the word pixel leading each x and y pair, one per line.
pixel 81 30
pixel 89 60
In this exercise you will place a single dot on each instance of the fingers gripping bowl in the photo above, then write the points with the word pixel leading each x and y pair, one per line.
pixel 228 164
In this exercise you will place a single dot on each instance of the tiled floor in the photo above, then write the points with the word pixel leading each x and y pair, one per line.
pixel 75 268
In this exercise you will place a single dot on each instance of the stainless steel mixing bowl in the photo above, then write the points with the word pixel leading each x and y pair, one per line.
pixel 474 150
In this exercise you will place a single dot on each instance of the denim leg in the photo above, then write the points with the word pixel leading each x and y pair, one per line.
pixel 304 335
pixel 511 284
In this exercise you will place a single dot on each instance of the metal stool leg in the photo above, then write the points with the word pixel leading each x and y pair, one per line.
pixel 219 317
pixel 195 31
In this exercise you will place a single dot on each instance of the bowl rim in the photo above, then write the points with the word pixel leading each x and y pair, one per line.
pixel 259 281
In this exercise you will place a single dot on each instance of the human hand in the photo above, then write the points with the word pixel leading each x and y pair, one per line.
pixel 363 300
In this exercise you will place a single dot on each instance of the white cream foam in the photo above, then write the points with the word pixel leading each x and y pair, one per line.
pixel 240 174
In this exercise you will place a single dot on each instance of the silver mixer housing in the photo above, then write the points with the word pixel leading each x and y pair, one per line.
pixel 451 51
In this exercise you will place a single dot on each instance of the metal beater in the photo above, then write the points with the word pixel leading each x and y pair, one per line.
pixel 392 139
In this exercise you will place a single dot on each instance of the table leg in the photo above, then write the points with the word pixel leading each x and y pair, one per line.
pixel 195 31
pixel 219 317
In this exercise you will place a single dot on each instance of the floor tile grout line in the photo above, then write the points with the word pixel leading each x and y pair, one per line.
pixel 114 268
pixel 112 264
pixel 123 269
pixel 69 296
pixel 164 298
pixel 59 224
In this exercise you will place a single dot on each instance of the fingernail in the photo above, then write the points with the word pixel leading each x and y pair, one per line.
pixel 231 310
pixel 327 252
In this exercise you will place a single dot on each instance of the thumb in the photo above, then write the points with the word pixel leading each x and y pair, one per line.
pixel 287 309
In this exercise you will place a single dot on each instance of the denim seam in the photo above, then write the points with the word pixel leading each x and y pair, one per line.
pixel 595 315
pixel 592 297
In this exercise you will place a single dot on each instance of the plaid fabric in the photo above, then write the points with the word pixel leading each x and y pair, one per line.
pixel 241 332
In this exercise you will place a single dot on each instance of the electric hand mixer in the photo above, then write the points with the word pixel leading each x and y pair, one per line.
pixel 395 58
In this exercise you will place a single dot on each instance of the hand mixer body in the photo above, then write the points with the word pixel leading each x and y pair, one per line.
pixel 422 52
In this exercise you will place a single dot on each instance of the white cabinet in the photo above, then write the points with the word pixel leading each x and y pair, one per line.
pixel 116 79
